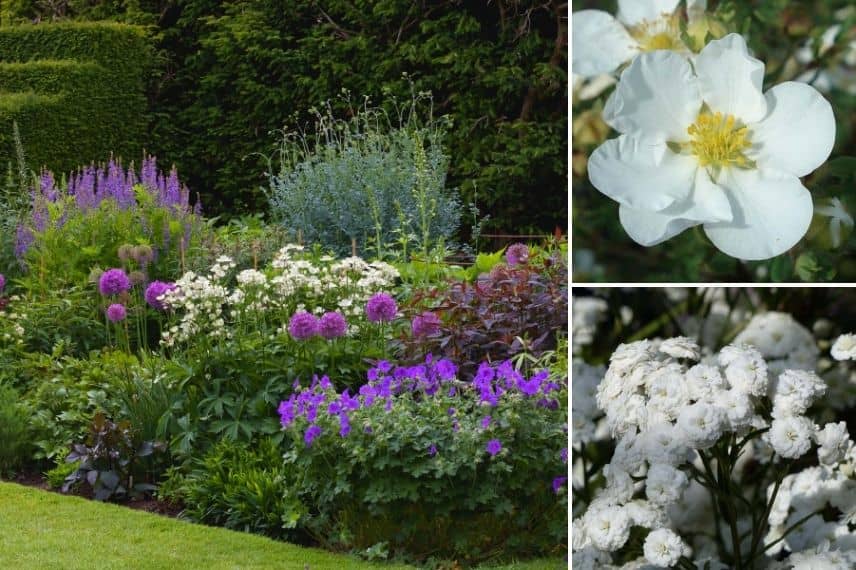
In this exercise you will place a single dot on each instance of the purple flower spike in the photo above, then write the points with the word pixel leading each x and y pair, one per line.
pixel 381 308
pixel 303 326
pixel 113 282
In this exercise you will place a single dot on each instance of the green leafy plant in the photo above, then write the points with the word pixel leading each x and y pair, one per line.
pixel 15 443
pixel 108 461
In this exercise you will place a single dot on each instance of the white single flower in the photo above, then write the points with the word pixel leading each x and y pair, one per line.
pixel 702 144
pixel 663 548
pixel 834 441
pixel 844 347
pixel 790 436
pixel 603 43
pixel 837 216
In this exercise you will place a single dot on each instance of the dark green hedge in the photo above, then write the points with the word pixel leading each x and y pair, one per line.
pixel 233 71
pixel 95 75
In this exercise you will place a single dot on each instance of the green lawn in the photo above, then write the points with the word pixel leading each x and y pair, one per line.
pixel 45 530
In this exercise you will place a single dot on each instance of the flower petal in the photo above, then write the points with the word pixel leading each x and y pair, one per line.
pixel 798 132
pixel 772 212
pixel 650 228
pixel 657 95
pixel 707 203
pixel 632 12
pixel 731 80
pixel 600 43
pixel 641 172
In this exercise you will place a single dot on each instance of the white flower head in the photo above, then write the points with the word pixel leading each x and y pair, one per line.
pixel 603 43
pixel 700 143
pixel 665 484
pixel 844 347
pixel 680 347
pixel 663 548
pixel 790 437
pixel 701 424
pixel 834 440
pixel 608 527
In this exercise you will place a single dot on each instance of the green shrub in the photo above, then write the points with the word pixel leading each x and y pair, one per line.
pixel 244 488
pixel 15 446
pixel 427 463
pixel 77 91
pixel 367 180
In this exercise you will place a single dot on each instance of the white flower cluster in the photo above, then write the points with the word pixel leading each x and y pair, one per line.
pixel 10 324
pixel 663 409
pixel 844 347
pixel 782 341
pixel 293 283
pixel 587 313
pixel 585 414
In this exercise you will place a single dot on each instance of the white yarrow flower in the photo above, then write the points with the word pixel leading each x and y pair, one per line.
pixel 700 143
pixel 790 437
pixel 664 548
pixel 844 347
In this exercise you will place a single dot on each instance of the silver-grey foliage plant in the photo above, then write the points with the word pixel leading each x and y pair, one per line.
pixel 373 180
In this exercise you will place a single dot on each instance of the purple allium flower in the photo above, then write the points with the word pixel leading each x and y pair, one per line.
pixel 558 483
pixel 113 282
pixel 116 312
pixel 381 308
pixel 517 254
pixel 155 290
pixel 485 422
pixel 2 282
pixel 426 324
pixel 312 432
pixel 332 325
pixel 432 450
pixel 303 325
pixel 493 447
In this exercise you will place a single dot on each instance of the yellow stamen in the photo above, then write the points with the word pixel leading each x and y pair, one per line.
pixel 717 140
pixel 662 33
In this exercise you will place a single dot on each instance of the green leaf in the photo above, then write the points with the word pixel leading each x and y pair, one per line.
pixel 781 268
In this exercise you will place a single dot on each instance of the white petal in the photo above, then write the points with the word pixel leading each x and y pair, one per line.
pixel 650 228
pixel 707 203
pixel 772 212
pixel 632 12
pixel 731 80
pixel 657 95
pixel 600 43
pixel 641 172
pixel 798 132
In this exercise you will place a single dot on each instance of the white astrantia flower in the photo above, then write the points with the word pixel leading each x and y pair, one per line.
pixel 603 43
pixel 844 347
pixel 701 143
pixel 838 217
pixel 663 548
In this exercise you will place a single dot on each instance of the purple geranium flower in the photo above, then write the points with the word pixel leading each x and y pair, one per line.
pixel 116 312
pixel 2 282
pixel 493 447
pixel 303 326
pixel 432 450
pixel 381 308
pixel 517 254
pixel 113 282
pixel 426 324
pixel 312 432
pixel 332 325
pixel 558 483
pixel 154 291
pixel 485 422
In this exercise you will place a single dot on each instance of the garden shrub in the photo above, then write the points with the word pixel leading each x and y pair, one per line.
pixel 367 181
pixel 242 487
pixel 77 91
pixel 513 308
pixel 15 445
pixel 426 462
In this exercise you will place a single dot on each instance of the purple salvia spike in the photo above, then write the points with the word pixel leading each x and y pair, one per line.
pixel 172 196
pixel 48 186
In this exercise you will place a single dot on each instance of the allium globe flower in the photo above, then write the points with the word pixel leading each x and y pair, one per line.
pixel 381 308
pixel 425 324
pixel 154 291
pixel 332 325
pixel 303 326
pixel 116 312
pixel 517 254
pixel 113 282
pixel 701 144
